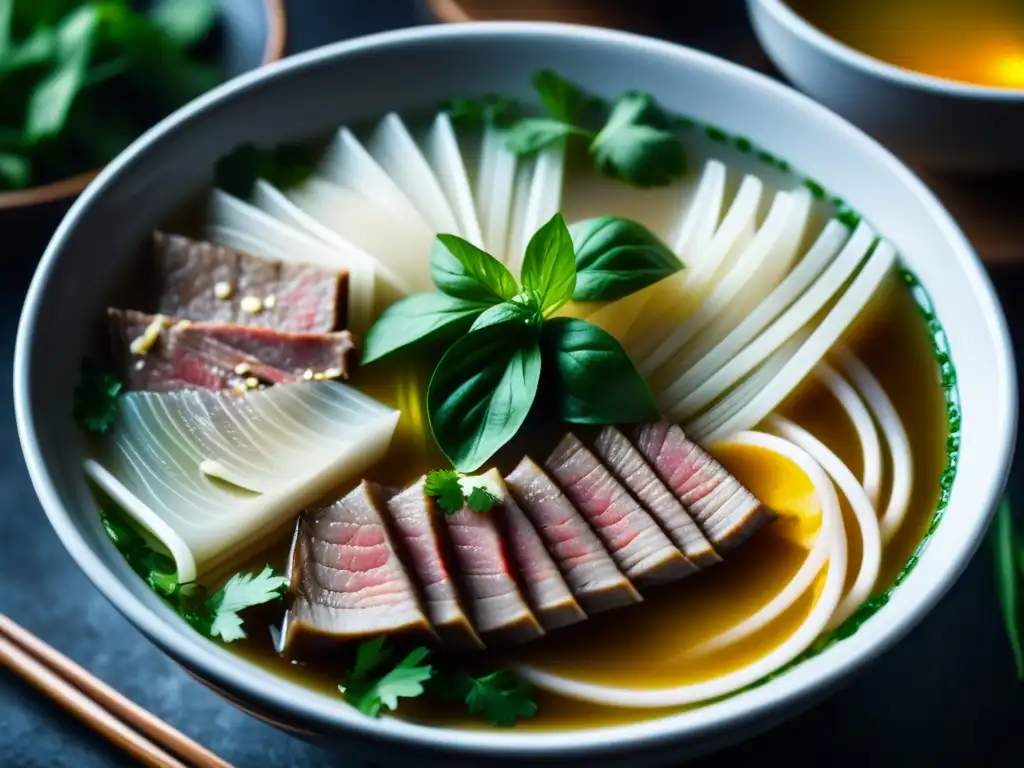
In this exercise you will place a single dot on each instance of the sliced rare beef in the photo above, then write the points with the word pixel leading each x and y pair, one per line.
pixel 641 549
pixel 499 611
pixel 589 570
pixel 203 281
pixel 347 581
pixel 162 353
pixel 726 511
pixel 544 585
pixel 633 471
pixel 422 537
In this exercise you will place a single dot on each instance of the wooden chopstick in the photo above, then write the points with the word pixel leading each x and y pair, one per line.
pixel 123 722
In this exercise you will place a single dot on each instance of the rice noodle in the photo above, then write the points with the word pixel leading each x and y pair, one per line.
pixel 863 512
pixel 902 462
pixel 867 435
pixel 833 532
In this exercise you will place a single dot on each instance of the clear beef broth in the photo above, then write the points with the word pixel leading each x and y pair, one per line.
pixel 639 643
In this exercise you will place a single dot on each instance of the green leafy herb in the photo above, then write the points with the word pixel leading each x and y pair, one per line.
pixel 368 690
pixel 417 320
pixel 481 392
pixel 283 166
pixel 500 697
pixel 532 134
pixel 1009 548
pixel 597 383
pixel 67 65
pixel 243 590
pixel 463 271
pixel 491 109
pixel 562 98
pixel 637 144
pixel 452 490
pixel 95 405
pixel 549 265
pixel 616 257
pixel 217 616
pixel 523 309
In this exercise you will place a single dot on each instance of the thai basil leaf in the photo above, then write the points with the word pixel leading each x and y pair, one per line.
pixel 596 382
pixel 1008 580
pixel 462 270
pixel 185 22
pixel 523 309
pixel 420 319
pixel 482 391
pixel 549 265
pixel 616 257
pixel 534 133
pixel 636 145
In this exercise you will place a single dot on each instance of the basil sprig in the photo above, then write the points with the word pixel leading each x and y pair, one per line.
pixel 632 141
pixel 498 342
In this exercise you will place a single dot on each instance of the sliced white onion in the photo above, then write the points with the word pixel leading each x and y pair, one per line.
pixel 867 434
pixel 210 473
pixel 901 459
pixel 699 220
pixel 821 339
pixel 756 272
pixel 494 190
pixel 395 150
pixel 796 282
pixel 863 512
pixel 441 149
pixel 812 626
pixel 400 244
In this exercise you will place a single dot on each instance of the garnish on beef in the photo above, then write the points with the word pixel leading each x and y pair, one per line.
pixel 422 537
pixel 347 581
pixel 640 548
pixel 545 588
pixel 203 281
pixel 726 511
pixel 589 570
pixel 633 471
pixel 219 355
pixel 495 602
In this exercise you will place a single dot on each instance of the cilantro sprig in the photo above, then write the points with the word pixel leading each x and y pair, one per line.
pixel 215 616
pixel 634 141
pixel 500 697
pixel 453 490
pixel 95 403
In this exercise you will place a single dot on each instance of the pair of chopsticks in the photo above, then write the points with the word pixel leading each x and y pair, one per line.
pixel 141 734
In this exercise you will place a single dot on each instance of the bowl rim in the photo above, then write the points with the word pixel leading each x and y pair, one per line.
pixel 830 46
pixel 273 50
pixel 274 694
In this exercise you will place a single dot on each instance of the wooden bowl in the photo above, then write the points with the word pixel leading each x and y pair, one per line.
pixel 245 46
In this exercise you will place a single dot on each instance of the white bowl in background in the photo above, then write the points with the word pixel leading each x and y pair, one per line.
pixel 930 121
pixel 413 69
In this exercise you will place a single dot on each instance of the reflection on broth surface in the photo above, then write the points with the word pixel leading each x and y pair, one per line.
pixel 706 550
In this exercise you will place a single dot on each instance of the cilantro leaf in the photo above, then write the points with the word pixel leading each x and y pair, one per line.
pixel 404 680
pixel 562 98
pixel 481 500
pixel 500 697
pixel 491 109
pixel 636 145
pixel 156 568
pixel 443 486
pixel 534 133
pixel 95 403
pixel 243 590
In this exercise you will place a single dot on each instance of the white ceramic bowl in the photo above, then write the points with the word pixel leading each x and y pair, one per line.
pixel 930 121
pixel 351 81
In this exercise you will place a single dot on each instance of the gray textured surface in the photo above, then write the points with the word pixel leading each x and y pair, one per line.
pixel 945 696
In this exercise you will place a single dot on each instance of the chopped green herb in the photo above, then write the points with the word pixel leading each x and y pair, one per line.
pixel 491 109
pixel 368 690
pixel 1009 573
pixel 443 486
pixel 481 500
pixel 283 166
pixel 95 404
pixel 637 145
pixel 217 616
pixel 500 697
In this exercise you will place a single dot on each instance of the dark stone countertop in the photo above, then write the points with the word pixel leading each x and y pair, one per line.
pixel 944 696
